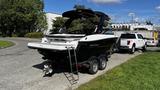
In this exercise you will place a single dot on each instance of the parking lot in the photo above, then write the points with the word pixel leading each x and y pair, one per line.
pixel 21 69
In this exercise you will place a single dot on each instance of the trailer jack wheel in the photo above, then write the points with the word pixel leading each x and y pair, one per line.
pixel 93 65
pixel 102 62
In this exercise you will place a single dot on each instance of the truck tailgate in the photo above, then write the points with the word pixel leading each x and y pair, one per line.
pixel 123 42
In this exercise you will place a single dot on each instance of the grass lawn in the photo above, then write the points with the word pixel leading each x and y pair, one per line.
pixel 139 73
pixel 4 44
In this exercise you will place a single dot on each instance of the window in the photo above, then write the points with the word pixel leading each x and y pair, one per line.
pixel 128 36
pixel 140 36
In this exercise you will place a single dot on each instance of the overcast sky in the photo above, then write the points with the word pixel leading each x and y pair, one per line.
pixel 118 10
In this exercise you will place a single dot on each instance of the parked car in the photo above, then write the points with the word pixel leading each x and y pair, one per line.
pixel 151 42
pixel 132 41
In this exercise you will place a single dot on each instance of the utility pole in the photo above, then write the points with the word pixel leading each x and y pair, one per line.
pixel 132 15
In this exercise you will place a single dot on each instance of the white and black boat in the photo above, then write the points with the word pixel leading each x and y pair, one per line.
pixel 88 48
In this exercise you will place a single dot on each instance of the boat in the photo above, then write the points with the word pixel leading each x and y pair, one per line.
pixel 88 48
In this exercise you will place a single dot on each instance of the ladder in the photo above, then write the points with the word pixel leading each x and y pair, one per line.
pixel 72 76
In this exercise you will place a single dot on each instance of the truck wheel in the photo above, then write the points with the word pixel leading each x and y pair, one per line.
pixel 144 48
pixel 93 65
pixel 132 49
pixel 102 62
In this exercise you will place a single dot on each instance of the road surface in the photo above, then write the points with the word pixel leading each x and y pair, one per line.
pixel 21 69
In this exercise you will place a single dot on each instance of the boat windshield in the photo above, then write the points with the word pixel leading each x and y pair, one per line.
pixel 79 26
pixel 81 21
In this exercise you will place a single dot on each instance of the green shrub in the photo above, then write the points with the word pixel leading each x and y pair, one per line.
pixel 14 35
pixel 34 35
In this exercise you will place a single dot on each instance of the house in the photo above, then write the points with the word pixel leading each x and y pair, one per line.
pixel 132 26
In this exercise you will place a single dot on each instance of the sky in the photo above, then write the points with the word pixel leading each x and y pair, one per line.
pixel 120 11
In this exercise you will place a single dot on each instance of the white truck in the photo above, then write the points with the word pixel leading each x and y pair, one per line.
pixel 152 37
pixel 132 41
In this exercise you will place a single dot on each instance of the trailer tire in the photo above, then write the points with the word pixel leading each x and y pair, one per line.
pixel 102 62
pixel 93 65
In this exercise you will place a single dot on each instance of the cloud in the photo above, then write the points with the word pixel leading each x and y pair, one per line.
pixel 131 14
pixel 158 8
pixel 136 19
pixel 106 1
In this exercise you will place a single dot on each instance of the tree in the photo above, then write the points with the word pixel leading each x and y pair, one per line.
pixel 76 26
pixel 57 24
pixel 21 16
pixel 148 22
pixel 79 6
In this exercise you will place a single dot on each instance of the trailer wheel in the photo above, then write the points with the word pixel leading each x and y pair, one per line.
pixel 93 65
pixel 102 62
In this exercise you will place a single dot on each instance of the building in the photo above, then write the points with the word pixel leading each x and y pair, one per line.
pixel 132 26
pixel 157 27
pixel 50 17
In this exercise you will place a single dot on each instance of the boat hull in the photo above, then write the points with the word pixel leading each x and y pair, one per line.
pixel 84 50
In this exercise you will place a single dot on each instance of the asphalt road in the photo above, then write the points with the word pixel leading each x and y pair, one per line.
pixel 21 69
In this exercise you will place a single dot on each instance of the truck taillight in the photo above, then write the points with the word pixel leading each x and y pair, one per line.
pixel 128 42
